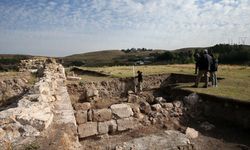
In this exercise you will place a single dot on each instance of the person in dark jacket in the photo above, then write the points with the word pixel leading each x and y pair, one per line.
pixel 139 79
pixel 204 64
pixel 196 59
pixel 213 70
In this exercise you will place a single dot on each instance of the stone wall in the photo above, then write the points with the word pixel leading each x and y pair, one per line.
pixel 91 122
pixel 34 112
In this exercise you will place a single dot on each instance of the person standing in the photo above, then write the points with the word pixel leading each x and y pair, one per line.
pixel 213 70
pixel 139 83
pixel 196 59
pixel 204 65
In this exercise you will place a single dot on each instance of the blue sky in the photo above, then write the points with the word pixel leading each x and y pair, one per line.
pixel 63 27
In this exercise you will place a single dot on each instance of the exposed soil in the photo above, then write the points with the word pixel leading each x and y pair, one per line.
pixel 225 135
pixel 14 85
pixel 223 140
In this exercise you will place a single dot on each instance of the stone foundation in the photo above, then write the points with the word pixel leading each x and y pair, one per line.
pixel 46 103
pixel 119 117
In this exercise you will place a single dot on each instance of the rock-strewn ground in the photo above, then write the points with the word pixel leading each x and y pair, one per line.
pixel 109 115
pixel 14 85
pixel 155 115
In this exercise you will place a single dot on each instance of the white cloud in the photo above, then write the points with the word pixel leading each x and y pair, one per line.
pixel 83 25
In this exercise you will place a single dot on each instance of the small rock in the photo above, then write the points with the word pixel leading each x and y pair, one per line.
pixel 145 121
pixel 191 133
pixel 130 92
pixel 119 147
pixel 145 107
pixel 168 106
pixel 160 100
pixel 177 104
pixel 137 112
pixel 156 107
pixel 132 98
pixel 191 99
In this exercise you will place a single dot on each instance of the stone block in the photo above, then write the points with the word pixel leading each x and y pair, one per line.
pixel 127 123
pixel 107 127
pixel 102 114
pixel 121 110
pixel 39 119
pixel 82 106
pixel 87 129
pixel 81 116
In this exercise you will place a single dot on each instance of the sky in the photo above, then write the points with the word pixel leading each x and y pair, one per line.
pixel 64 27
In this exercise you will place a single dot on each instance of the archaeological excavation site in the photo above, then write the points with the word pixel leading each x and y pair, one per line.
pixel 44 106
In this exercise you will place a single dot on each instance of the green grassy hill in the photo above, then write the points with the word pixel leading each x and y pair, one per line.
pixel 109 57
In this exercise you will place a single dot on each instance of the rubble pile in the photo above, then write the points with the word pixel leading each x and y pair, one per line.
pixel 31 65
pixel 138 111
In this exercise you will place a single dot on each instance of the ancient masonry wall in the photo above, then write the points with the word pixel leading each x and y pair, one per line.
pixel 46 101
pixel 118 117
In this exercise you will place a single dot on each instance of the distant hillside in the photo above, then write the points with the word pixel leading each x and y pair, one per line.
pixel 226 54
pixel 111 57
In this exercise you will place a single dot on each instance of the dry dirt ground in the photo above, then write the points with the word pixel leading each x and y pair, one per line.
pixel 205 141
pixel 223 137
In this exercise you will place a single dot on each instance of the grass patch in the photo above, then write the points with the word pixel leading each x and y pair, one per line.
pixel 236 82
pixel 127 71
pixel 32 146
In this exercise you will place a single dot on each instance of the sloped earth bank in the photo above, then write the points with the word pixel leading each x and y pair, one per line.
pixel 159 118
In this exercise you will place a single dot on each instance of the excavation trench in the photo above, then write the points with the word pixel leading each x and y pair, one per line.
pixel 110 115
